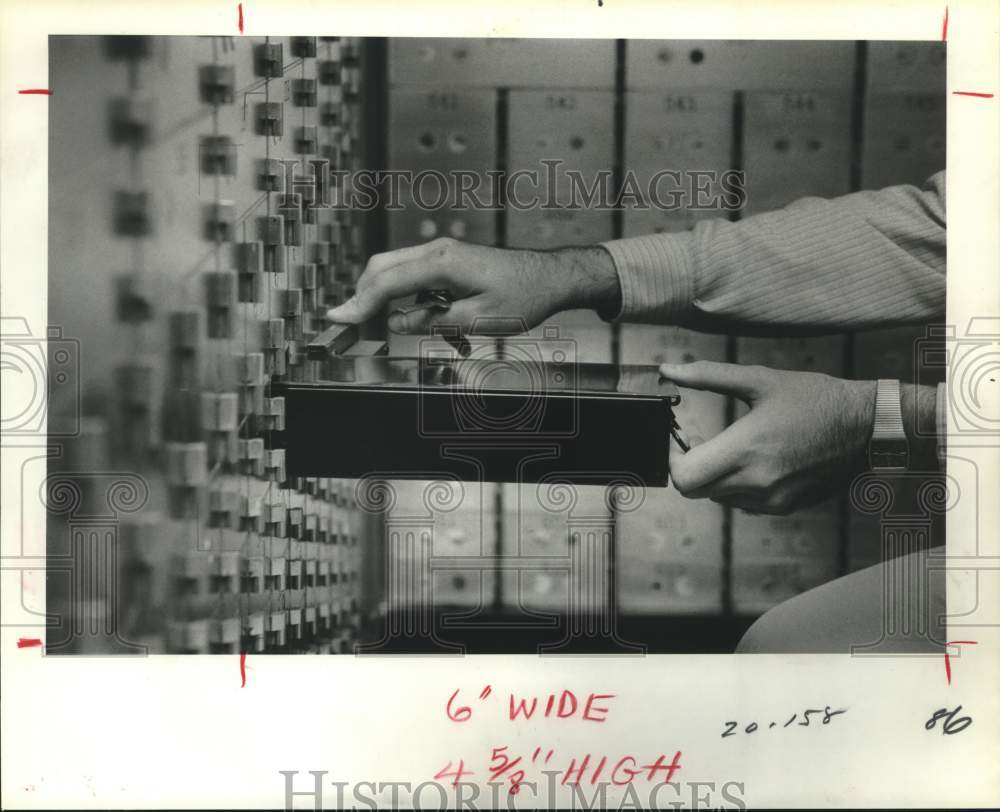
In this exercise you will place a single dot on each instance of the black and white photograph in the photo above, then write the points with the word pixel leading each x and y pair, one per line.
pixel 608 388
pixel 496 345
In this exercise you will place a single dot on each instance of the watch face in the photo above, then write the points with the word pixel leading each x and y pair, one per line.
pixel 888 454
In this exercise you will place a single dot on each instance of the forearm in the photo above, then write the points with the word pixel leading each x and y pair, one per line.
pixel 589 278
pixel 870 259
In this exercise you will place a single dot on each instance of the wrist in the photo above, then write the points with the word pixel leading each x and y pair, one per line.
pixel 860 411
pixel 589 279
pixel 918 407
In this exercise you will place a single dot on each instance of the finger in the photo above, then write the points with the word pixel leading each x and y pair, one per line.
pixel 416 321
pixel 353 310
pixel 677 452
pixel 350 312
pixel 744 382
pixel 461 314
pixel 748 504
pixel 389 259
pixel 732 484
pixel 382 287
pixel 711 460
pixel 470 314
pixel 684 440
pixel 676 449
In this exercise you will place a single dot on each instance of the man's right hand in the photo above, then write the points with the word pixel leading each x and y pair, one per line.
pixel 506 286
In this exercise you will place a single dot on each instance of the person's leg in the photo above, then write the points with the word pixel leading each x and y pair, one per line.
pixel 895 607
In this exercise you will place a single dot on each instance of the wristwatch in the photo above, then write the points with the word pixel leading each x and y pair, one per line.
pixel 888 449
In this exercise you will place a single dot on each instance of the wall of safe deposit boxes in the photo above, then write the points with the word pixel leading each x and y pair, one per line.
pixel 190 277
pixel 801 118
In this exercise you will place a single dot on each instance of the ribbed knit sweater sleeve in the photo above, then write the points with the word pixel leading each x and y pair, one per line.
pixel 865 260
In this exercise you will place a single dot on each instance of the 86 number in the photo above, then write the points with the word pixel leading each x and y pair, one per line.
pixel 953 724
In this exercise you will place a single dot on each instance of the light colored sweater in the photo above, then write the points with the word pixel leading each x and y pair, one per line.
pixel 862 261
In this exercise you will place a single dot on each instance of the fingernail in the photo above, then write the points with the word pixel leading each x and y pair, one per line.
pixel 341 310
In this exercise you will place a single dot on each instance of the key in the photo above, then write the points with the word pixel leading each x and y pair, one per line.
pixel 678 434
pixel 437 300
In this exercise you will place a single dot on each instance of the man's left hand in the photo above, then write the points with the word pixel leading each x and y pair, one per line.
pixel 805 436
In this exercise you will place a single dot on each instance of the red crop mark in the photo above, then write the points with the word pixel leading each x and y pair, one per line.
pixel 971 93
pixel 241 18
pixel 947 657
pixel 944 26
pixel 35 91
pixel 28 642
pixel 486 692
pixel 243 670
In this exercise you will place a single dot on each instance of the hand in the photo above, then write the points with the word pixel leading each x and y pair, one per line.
pixel 500 288
pixel 805 437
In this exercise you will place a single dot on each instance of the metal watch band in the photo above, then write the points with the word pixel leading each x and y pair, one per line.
pixel 888 411
pixel 889 448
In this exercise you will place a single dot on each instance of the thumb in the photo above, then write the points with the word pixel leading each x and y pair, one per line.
pixel 353 311
pixel 744 382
